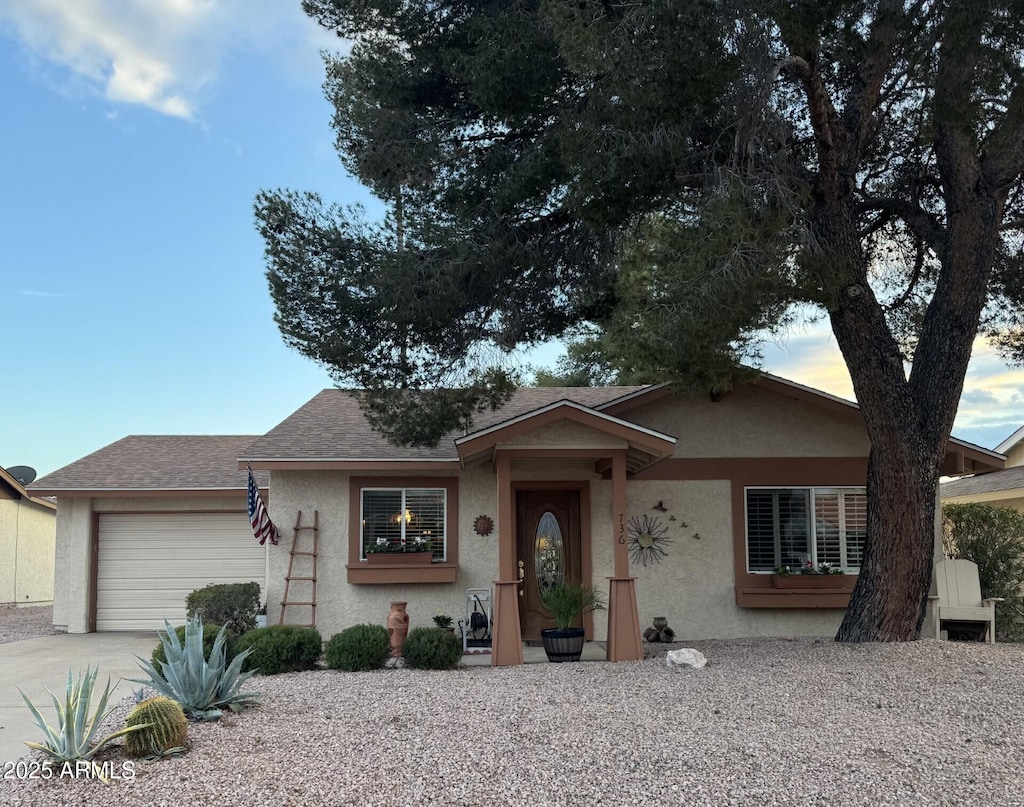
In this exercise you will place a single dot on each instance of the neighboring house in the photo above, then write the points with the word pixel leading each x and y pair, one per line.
pixel 675 505
pixel 1001 488
pixel 143 522
pixel 28 528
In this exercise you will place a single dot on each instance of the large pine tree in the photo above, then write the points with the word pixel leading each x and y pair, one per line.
pixel 683 175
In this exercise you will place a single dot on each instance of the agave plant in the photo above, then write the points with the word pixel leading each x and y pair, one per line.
pixel 74 738
pixel 203 686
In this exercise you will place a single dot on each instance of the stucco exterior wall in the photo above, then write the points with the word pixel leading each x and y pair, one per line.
pixel 28 536
pixel 341 604
pixel 752 421
pixel 565 433
pixel 72 565
pixel 693 587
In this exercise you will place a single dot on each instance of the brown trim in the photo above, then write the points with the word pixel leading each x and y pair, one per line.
pixel 750 597
pixel 586 532
pixel 770 471
pixel 155 493
pixel 522 452
pixel 92 595
pixel 443 465
pixel 756 590
pixel 170 512
pixel 361 573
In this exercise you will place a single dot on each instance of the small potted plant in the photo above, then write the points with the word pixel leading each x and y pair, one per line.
pixel 443 621
pixel 261 616
pixel 568 602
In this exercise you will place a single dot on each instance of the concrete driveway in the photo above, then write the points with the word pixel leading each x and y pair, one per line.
pixel 36 665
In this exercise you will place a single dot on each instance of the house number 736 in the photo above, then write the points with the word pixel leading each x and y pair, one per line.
pixel 622 528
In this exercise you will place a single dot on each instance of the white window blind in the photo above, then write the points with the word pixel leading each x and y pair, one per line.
pixel 400 516
pixel 780 531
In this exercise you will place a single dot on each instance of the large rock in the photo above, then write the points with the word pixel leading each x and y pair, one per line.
pixel 685 658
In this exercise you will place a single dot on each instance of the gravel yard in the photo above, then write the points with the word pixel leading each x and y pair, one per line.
pixel 767 722
pixel 25 623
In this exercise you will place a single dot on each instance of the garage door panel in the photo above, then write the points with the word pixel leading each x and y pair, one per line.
pixel 148 564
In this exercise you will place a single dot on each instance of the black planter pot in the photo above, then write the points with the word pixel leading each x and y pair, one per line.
pixel 563 645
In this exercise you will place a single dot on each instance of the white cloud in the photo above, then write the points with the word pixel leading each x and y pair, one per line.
pixel 34 293
pixel 162 54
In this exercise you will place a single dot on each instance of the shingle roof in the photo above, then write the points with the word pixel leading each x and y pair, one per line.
pixel 331 426
pixel 1007 479
pixel 167 462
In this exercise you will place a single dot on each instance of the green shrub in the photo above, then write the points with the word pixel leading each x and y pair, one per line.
pixel 993 538
pixel 162 724
pixel 431 649
pixel 201 684
pixel 361 647
pixel 209 637
pixel 232 605
pixel 281 648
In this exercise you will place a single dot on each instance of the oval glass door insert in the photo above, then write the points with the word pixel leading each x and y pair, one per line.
pixel 549 553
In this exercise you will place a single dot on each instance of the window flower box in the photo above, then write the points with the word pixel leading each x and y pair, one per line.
pixel 399 558
pixel 803 581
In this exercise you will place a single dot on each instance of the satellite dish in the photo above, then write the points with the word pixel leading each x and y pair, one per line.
pixel 22 473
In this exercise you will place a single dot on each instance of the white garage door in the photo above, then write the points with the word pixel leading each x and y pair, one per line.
pixel 148 564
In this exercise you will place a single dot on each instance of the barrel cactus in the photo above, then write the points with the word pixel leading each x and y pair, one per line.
pixel 167 727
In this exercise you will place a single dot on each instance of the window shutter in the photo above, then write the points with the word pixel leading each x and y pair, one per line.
pixel 761 531
pixel 855 516
pixel 827 528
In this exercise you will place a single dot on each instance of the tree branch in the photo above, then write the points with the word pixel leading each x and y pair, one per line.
pixel 921 222
pixel 863 99
pixel 1003 150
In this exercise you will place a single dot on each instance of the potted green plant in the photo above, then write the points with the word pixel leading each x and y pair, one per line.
pixel 443 621
pixel 568 602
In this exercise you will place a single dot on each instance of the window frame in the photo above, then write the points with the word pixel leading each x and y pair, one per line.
pixel 359 572
pixel 812 492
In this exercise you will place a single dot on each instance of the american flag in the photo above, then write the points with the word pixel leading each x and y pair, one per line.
pixel 262 526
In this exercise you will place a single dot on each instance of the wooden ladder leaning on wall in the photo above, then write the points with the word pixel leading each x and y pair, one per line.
pixel 310 579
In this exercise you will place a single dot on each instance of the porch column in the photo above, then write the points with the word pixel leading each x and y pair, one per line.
pixel 624 642
pixel 507 636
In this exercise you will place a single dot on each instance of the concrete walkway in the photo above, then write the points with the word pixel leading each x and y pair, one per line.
pixel 36 665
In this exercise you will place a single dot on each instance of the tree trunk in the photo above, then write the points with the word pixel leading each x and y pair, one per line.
pixel 888 602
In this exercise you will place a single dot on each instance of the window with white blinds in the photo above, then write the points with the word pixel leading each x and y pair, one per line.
pixel 403 517
pixel 782 532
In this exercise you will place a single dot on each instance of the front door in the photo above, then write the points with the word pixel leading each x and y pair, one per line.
pixel 547 551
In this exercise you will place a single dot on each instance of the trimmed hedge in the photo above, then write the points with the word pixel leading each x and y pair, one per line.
pixel 209 636
pixel 431 649
pixel 361 647
pixel 281 648
pixel 233 605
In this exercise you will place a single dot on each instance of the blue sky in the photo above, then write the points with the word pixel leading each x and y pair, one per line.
pixel 136 135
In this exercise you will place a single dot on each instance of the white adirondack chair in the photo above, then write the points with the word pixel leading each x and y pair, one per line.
pixel 957 600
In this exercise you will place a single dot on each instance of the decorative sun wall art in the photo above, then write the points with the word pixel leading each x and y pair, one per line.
pixel 483 525
pixel 648 538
